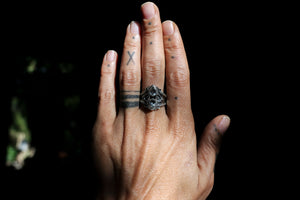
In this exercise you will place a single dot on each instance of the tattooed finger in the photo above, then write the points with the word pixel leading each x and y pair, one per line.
pixel 130 72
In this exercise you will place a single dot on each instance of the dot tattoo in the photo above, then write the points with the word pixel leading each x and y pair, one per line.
pixel 169 39
pixel 108 65
pixel 172 57
pixel 216 129
pixel 176 98
pixel 149 23
pixel 130 57
pixel 151 43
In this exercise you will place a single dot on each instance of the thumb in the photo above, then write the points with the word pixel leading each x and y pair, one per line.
pixel 210 142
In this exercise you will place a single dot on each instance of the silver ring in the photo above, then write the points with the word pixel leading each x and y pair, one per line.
pixel 153 98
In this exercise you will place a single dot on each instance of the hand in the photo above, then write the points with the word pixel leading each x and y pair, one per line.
pixel 144 154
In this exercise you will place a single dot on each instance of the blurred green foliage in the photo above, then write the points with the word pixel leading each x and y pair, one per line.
pixel 44 86
pixel 19 120
pixel 11 154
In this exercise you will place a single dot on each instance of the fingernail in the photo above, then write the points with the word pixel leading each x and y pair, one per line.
pixel 110 56
pixel 223 124
pixel 168 28
pixel 148 10
pixel 134 28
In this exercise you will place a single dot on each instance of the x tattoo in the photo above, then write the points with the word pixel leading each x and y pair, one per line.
pixel 130 57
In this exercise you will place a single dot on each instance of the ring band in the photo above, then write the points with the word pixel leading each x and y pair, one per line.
pixel 153 98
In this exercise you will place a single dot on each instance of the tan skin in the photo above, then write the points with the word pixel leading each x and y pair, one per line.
pixel 144 154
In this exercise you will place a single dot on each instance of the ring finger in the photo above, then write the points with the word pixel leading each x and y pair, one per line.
pixel 130 72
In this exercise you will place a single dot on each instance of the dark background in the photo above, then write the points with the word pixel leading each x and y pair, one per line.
pixel 227 47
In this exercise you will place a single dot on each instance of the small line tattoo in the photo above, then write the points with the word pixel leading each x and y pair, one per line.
pixel 130 57
pixel 149 23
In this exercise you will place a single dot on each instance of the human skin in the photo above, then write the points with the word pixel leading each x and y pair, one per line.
pixel 144 154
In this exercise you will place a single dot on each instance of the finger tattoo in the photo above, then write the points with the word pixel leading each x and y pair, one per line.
pixel 129 99
pixel 129 96
pixel 216 129
pixel 130 57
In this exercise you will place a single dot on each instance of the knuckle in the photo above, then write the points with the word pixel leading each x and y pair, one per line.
pixel 101 131
pixel 129 44
pixel 151 126
pixel 105 127
pixel 129 78
pixel 178 133
pixel 178 130
pixel 173 46
pixel 214 142
pixel 152 67
pixel 106 71
pixel 151 30
pixel 178 78
pixel 106 95
pixel 152 130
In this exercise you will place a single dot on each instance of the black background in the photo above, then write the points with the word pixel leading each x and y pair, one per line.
pixel 227 46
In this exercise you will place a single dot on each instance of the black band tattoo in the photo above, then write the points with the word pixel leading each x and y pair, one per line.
pixel 129 99
pixel 130 57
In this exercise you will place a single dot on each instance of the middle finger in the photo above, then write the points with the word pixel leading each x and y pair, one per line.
pixel 153 59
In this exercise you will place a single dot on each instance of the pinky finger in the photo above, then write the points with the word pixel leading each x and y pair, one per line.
pixel 107 90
